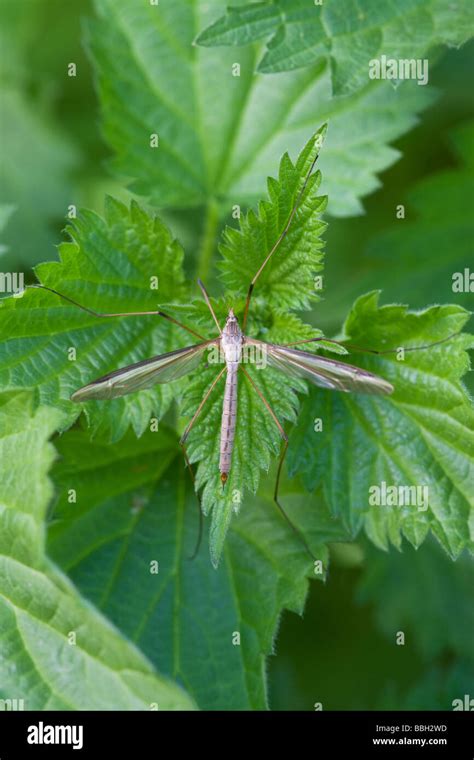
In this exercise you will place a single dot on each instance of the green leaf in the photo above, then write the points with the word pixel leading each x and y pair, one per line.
pixel 349 36
pixel 288 279
pixel 209 629
pixel 58 653
pixel 27 488
pixel 221 135
pixel 111 265
pixel 421 436
pixel 288 282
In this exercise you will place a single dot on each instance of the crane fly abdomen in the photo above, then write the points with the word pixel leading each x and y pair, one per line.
pixel 231 345
pixel 229 416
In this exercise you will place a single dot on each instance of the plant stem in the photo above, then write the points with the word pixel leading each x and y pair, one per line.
pixel 208 240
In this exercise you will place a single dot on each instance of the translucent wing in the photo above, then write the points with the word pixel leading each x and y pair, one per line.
pixel 326 373
pixel 144 374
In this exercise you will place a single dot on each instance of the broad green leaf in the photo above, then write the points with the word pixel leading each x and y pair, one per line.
pixel 422 436
pixel 25 486
pixel 40 613
pixel 126 544
pixel 57 652
pixel 288 279
pixel 344 32
pixel 220 135
pixel 125 262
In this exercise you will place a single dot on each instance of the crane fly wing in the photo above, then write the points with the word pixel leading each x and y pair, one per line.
pixel 144 374
pixel 323 372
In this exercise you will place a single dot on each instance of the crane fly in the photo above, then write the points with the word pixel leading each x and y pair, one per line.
pixel 230 342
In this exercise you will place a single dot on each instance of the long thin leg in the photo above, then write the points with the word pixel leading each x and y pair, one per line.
pixel 119 314
pixel 372 350
pixel 199 409
pixel 208 302
pixel 275 246
pixel 280 464
pixel 188 463
pixel 275 499
pixel 262 398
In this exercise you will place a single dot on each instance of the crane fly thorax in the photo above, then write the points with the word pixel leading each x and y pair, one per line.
pixel 232 339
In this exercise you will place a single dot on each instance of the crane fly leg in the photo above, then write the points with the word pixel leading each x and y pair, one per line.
pixel 280 463
pixel 102 315
pixel 186 458
pixel 381 352
pixel 199 409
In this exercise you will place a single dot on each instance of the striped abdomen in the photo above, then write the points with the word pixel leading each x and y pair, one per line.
pixel 229 416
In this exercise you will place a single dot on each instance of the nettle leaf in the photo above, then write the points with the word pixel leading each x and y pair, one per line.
pixel 257 441
pixel 40 609
pixel 288 279
pixel 289 282
pixel 421 436
pixel 126 545
pixel 127 261
pixel 220 135
pixel 303 32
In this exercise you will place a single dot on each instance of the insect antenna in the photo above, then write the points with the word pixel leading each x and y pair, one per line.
pixel 208 302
